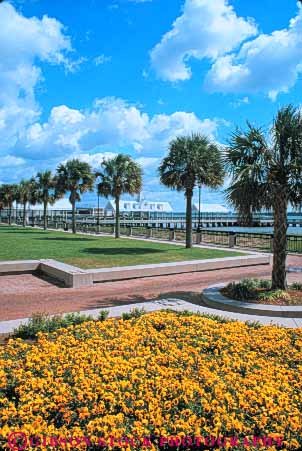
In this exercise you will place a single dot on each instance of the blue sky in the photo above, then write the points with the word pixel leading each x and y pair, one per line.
pixel 91 79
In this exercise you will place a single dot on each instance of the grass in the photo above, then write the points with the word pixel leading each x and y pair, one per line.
pixel 94 252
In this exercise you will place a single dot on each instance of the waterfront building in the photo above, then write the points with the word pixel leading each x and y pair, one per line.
pixel 138 206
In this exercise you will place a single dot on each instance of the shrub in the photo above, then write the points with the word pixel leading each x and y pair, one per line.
pixel 72 319
pixel 40 322
pixel 217 318
pixel 270 296
pixel 134 313
pixel 246 289
pixel 296 286
pixel 103 315
pixel 254 324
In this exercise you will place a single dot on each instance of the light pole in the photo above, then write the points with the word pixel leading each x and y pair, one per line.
pixel 199 207
pixel 98 217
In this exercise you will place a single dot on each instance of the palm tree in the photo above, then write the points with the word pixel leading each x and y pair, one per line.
pixel 47 195
pixel 27 195
pixel 273 167
pixel 247 197
pixel 119 175
pixel 191 161
pixel 75 177
pixel 8 195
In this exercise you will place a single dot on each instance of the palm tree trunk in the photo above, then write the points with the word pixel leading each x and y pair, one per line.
pixel 24 214
pixel 117 217
pixel 74 225
pixel 45 215
pixel 189 196
pixel 280 241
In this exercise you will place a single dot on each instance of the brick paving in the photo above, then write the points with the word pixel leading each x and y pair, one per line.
pixel 23 295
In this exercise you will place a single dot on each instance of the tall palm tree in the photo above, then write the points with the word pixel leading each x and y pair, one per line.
pixel 273 167
pixel 119 175
pixel 47 195
pixel 247 196
pixel 27 194
pixel 75 177
pixel 8 194
pixel 191 161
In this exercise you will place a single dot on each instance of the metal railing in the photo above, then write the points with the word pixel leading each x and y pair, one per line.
pixel 260 241
pixel 254 240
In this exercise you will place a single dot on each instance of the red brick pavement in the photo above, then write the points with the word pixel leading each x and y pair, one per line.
pixel 23 295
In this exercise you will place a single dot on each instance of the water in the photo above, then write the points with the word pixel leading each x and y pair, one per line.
pixel 269 230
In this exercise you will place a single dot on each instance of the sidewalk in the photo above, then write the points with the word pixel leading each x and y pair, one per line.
pixel 175 304
pixel 32 295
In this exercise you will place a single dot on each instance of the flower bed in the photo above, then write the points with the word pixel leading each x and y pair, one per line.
pixel 258 291
pixel 159 374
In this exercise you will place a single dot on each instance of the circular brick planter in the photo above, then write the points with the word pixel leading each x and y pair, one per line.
pixel 214 299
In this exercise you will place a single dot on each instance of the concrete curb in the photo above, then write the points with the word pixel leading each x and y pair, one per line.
pixel 214 299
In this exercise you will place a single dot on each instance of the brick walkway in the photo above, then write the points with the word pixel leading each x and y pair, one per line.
pixel 23 295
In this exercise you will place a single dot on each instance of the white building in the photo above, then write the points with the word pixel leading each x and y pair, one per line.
pixel 210 208
pixel 129 206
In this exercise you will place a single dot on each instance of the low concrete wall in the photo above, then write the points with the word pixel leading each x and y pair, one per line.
pixel 21 266
pixel 214 299
pixel 71 276
pixel 131 272
pixel 74 277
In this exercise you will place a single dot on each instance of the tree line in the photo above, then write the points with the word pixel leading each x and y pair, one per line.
pixel 264 166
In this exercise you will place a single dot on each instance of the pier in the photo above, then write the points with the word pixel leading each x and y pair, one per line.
pixel 154 220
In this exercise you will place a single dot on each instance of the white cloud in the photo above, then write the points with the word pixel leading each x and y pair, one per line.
pixel 110 124
pixel 239 102
pixel 95 160
pixel 23 43
pixel 206 29
pixel 269 64
pixel 114 122
pixel 56 137
pixel 148 162
pixel 11 161
pixel 101 59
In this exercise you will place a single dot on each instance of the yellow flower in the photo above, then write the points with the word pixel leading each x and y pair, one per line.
pixel 194 376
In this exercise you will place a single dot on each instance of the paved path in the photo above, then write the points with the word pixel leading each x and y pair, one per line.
pixel 175 304
pixel 32 295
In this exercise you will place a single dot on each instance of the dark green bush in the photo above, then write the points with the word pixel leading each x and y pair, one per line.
pixel 103 315
pixel 296 286
pixel 40 322
pixel 246 289
pixel 134 313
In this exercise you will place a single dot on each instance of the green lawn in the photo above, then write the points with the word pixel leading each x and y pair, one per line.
pixel 89 252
